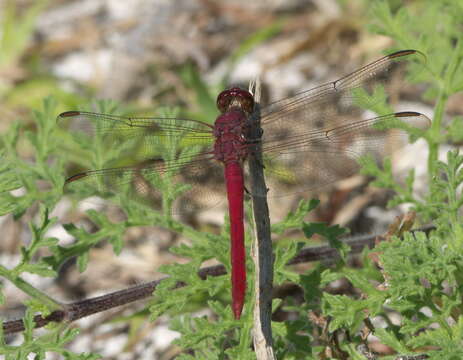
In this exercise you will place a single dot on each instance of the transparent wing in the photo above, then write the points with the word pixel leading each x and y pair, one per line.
pixel 323 156
pixel 169 166
pixel 177 187
pixel 146 134
pixel 317 136
pixel 342 96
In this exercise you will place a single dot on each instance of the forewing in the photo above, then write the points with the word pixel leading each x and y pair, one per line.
pixel 326 105
pixel 133 139
pixel 317 136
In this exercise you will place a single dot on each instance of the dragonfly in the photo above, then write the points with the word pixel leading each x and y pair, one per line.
pixel 308 140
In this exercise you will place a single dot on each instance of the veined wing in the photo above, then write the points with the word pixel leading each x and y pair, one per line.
pixel 317 136
pixel 316 158
pixel 342 96
pixel 92 123
pixel 147 134
pixel 179 186
pixel 166 158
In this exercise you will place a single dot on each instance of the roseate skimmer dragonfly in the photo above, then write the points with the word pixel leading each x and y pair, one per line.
pixel 308 140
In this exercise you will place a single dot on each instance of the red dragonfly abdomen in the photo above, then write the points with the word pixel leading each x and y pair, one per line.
pixel 235 192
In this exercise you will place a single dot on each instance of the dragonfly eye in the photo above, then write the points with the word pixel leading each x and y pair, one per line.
pixel 235 95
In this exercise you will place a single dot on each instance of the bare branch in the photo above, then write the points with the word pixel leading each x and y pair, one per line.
pixel 80 309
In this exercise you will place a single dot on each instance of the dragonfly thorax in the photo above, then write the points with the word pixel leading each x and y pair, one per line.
pixel 230 143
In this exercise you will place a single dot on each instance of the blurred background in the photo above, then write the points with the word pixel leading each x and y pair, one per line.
pixel 178 53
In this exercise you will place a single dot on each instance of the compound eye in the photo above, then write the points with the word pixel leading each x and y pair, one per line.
pixel 243 97
pixel 247 102
pixel 223 100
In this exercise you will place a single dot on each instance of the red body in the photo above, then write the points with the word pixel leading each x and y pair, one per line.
pixel 230 148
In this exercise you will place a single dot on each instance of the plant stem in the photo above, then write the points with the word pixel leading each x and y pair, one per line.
pixel 434 139
pixel 30 290
pixel 445 90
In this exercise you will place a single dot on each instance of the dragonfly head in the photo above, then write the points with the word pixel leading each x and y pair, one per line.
pixel 235 97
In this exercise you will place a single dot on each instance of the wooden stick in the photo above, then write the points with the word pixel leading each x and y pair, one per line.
pixel 262 246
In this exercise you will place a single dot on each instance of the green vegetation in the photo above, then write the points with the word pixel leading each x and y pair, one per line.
pixel 421 274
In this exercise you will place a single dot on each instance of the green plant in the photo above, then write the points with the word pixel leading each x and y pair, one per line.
pixel 17 173
pixel 420 275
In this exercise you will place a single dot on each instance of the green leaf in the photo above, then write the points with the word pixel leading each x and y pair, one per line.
pixel 331 233
pixel 294 219
pixel 41 269
pixel 38 241
pixel 346 312
pixel 389 339
pixel 8 177
pixel 283 254
pixel 82 261
pixel 312 285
